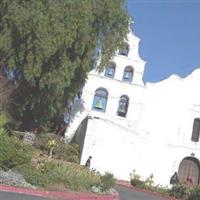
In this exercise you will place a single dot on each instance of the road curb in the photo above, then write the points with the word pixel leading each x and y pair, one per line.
pixel 67 195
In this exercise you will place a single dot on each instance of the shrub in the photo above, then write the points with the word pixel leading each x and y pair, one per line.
pixel 178 191
pixel 135 180
pixel 147 184
pixel 13 151
pixel 67 152
pixel 63 151
pixel 107 182
pixel 4 119
pixel 7 122
pixel 149 181
pixel 49 173
pixel 137 183
pixel 32 175
pixel 161 190
pixel 194 194
pixel 73 176
pixel 17 134
pixel 41 141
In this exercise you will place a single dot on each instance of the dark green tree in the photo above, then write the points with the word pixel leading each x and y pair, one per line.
pixel 53 43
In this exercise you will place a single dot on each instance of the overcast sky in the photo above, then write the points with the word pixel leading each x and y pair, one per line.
pixel 170 36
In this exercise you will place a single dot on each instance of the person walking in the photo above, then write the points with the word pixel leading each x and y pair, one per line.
pixel 88 162
pixel 174 179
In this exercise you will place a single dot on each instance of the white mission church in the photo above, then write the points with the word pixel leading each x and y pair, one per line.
pixel 126 125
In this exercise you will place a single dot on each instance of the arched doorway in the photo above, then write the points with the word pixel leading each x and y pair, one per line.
pixel 189 171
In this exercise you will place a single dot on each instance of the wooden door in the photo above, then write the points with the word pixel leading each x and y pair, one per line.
pixel 189 171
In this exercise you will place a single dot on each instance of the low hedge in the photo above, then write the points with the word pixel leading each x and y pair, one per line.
pixel 62 151
pixel 179 191
pixel 72 176
pixel 194 193
pixel 13 151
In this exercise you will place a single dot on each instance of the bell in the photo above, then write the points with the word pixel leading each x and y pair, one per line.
pixel 99 104
pixel 123 52
pixel 110 71
pixel 126 75
pixel 122 108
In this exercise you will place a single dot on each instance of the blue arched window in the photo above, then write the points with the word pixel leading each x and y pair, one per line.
pixel 128 74
pixel 123 106
pixel 100 100
pixel 124 50
pixel 110 70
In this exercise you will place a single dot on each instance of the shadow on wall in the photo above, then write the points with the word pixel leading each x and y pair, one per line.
pixel 77 107
pixel 79 136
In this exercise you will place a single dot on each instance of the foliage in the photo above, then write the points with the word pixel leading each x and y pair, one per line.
pixel 134 175
pixel 178 191
pixel 161 190
pixel 135 180
pixel 7 90
pixel 53 44
pixel 7 122
pixel 194 194
pixel 52 144
pixel 62 151
pixel 67 152
pixel 107 182
pixel 13 152
pixel 74 177
pixel 41 141
pixel 17 134
pixel 149 181
pixel 181 191
pixel 137 183
pixel 4 119
pixel 32 175
pixel 147 184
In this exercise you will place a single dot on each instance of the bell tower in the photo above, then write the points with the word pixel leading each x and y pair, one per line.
pixel 112 103
pixel 115 90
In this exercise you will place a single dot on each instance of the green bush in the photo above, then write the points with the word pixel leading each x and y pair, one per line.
pixel 178 191
pixel 62 151
pixel 4 119
pixel 107 182
pixel 194 194
pixel 162 190
pixel 32 175
pixel 147 184
pixel 7 122
pixel 67 152
pixel 41 141
pixel 74 177
pixel 135 180
pixel 13 151
pixel 17 134
pixel 149 181
pixel 137 183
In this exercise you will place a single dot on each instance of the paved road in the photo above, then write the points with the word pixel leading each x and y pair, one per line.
pixel 15 196
pixel 128 194
pixel 124 194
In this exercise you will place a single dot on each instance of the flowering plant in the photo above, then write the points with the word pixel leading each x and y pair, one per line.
pixel 52 143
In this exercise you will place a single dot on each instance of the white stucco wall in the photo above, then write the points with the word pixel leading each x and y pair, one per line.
pixel 156 133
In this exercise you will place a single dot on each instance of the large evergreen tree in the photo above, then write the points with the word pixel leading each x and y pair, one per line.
pixel 53 44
